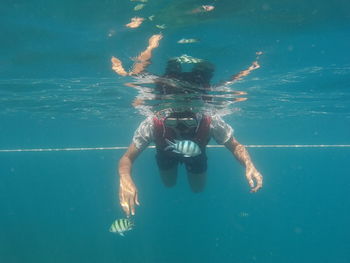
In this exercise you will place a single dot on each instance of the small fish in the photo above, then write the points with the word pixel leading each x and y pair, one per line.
pixel 163 26
pixel 243 214
pixel 188 59
pixel 151 17
pixel 120 226
pixel 142 1
pixel 202 9
pixel 188 40
pixel 208 8
pixel 186 147
pixel 111 33
pixel 139 7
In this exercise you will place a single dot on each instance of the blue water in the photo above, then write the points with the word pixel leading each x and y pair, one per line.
pixel 57 90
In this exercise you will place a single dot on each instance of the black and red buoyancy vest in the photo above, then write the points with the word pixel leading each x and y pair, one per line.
pixel 161 132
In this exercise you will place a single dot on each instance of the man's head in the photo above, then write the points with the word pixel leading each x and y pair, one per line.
pixel 183 121
pixel 201 73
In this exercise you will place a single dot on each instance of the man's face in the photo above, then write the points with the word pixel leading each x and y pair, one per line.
pixel 183 125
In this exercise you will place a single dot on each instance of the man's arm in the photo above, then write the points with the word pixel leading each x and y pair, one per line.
pixel 255 65
pixel 253 176
pixel 142 60
pixel 127 190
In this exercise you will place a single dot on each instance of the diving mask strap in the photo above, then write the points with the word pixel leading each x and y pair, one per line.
pixel 199 117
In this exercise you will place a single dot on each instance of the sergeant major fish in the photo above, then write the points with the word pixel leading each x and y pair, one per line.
pixel 188 40
pixel 120 226
pixel 163 26
pixel 188 59
pixel 186 147
pixel 139 7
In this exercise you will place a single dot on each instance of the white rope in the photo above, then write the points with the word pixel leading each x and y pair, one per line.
pixel 209 146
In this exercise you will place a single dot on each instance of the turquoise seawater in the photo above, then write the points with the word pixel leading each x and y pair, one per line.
pixel 57 90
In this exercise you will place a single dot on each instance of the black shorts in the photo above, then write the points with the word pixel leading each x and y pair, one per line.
pixel 168 160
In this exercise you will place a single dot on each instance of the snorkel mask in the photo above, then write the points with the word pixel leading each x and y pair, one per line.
pixel 173 122
pixel 184 120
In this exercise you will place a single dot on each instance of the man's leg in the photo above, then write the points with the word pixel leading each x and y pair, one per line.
pixel 196 172
pixel 197 181
pixel 169 176
pixel 167 168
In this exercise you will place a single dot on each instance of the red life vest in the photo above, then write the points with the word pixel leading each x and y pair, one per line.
pixel 161 132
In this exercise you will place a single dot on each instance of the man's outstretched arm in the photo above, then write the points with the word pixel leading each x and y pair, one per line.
pixel 255 65
pixel 128 197
pixel 252 175
pixel 142 60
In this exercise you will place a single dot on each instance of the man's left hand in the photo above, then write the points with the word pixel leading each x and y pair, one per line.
pixel 254 178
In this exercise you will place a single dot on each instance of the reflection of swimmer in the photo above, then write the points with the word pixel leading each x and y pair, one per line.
pixel 195 83
pixel 135 22
pixel 188 40
pixel 139 7
pixel 255 65
pixel 202 9
pixel 142 60
pixel 189 131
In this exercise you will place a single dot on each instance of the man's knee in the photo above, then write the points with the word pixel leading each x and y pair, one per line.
pixel 197 181
pixel 169 177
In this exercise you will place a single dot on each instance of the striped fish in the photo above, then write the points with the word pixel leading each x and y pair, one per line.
pixel 186 147
pixel 139 7
pixel 188 40
pixel 186 59
pixel 121 225
pixel 163 26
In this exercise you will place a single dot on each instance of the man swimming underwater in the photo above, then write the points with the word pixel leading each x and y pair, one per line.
pixel 181 136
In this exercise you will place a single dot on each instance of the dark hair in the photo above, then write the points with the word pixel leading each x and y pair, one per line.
pixel 182 114
pixel 204 67
pixel 195 81
pixel 173 68
pixel 201 73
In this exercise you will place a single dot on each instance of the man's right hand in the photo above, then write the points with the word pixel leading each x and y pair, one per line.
pixel 128 195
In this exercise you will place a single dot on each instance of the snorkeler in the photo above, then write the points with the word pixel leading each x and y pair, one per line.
pixel 181 136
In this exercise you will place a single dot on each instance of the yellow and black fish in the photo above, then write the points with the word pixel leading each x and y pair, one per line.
pixel 139 7
pixel 185 147
pixel 188 40
pixel 186 59
pixel 122 225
